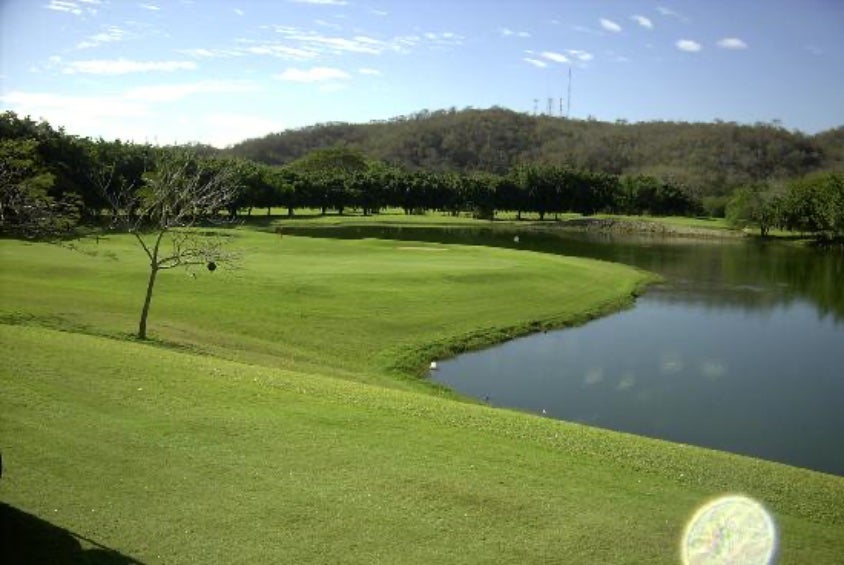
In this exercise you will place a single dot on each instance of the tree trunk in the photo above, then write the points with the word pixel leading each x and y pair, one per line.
pixel 142 326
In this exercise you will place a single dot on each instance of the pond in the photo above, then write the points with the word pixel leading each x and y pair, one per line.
pixel 740 348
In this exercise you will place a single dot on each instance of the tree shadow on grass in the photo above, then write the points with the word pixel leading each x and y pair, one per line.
pixel 26 539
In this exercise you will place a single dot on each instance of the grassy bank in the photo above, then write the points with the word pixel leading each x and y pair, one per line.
pixel 270 421
pixel 354 309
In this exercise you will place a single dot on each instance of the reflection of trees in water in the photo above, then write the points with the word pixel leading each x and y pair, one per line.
pixel 718 274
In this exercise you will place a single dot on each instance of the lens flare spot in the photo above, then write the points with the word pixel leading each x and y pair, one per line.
pixel 671 363
pixel 594 376
pixel 628 381
pixel 713 370
pixel 730 529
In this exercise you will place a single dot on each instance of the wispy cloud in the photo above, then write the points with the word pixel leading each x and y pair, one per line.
pixel 732 43
pixel 370 72
pixel 507 32
pixel 688 45
pixel 238 11
pixel 610 25
pixel 814 50
pixel 643 21
pixel 281 51
pixel 315 74
pixel 69 7
pixel 583 56
pixel 110 35
pixel 669 13
pixel 202 53
pixel 125 66
pixel 314 41
pixel 556 57
pixel 151 7
pixel 535 62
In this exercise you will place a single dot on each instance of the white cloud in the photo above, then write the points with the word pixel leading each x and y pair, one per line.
pixel 610 25
pixel 381 13
pixel 63 6
pixel 371 72
pixel 282 51
pixel 688 45
pixel 238 11
pixel 125 66
pixel 536 62
pixel 173 92
pixel 110 35
pixel 321 2
pixel 583 56
pixel 316 74
pixel 324 45
pixel 151 7
pixel 314 41
pixel 556 57
pixel 732 43
pixel 643 21
pixel 507 32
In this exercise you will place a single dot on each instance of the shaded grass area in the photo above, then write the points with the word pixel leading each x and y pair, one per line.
pixel 25 538
pixel 273 418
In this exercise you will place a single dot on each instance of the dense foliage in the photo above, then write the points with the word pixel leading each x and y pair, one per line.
pixel 472 161
pixel 705 158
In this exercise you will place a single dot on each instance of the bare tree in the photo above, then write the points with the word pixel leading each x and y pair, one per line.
pixel 164 214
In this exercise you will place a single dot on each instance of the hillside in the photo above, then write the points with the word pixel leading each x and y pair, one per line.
pixel 709 158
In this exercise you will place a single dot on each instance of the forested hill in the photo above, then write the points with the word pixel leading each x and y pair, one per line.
pixel 709 158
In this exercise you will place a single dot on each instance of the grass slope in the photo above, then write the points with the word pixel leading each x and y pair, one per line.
pixel 284 445
pixel 358 309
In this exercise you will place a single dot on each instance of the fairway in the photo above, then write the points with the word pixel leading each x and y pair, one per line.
pixel 276 415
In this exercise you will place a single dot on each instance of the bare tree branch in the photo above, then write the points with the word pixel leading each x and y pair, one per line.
pixel 180 195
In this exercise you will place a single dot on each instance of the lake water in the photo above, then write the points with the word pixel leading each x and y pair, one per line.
pixel 741 348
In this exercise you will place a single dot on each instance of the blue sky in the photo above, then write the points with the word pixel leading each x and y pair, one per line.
pixel 217 72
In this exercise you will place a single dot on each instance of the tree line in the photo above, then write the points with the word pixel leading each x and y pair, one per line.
pixel 709 160
pixel 51 181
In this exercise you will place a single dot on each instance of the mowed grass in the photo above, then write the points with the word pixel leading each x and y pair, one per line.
pixel 369 310
pixel 273 420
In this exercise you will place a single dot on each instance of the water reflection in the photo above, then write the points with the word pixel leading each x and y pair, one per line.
pixel 739 349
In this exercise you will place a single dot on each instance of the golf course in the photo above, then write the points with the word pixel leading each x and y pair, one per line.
pixel 278 413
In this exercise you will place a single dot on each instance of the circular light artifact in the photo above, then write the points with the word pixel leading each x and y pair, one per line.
pixel 730 529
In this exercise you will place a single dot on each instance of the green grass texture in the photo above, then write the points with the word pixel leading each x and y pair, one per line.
pixel 277 416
